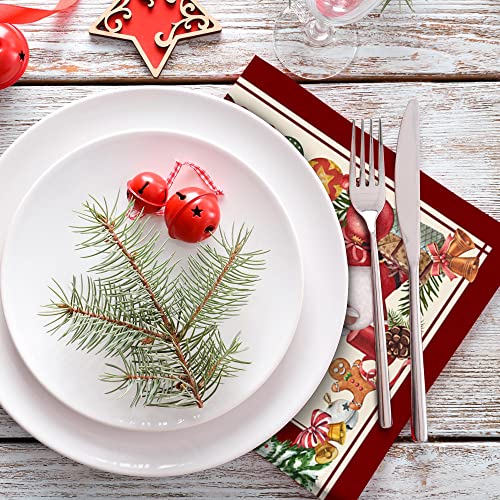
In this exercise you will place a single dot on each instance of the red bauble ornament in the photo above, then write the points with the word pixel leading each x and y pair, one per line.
pixel 356 227
pixel 149 191
pixel 14 55
pixel 330 175
pixel 192 214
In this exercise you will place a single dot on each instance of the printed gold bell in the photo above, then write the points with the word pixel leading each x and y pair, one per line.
pixel 460 244
pixel 465 266
pixel 337 432
pixel 325 453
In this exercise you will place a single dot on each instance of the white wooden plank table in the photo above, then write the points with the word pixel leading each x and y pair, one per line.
pixel 447 55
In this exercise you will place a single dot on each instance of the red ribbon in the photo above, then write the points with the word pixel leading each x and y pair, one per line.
pixel 439 261
pixel 318 431
pixel 371 375
pixel 358 252
pixel 15 14
pixel 202 174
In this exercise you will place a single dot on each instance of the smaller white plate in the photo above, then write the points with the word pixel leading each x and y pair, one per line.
pixel 40 246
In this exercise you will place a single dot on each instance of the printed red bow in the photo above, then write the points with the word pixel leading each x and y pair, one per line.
pixel 395 269
pixel 358 253
pixel 439 261
pixel 315 434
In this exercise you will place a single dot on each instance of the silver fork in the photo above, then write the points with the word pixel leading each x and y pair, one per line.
pixel 368 199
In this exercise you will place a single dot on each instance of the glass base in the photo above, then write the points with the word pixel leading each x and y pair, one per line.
pixel 310 50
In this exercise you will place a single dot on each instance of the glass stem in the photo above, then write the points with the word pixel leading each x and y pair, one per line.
pixel 318 33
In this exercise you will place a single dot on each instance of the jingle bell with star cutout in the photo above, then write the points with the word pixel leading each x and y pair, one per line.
pixel 14 55
pixel 149 192
pixel 192 214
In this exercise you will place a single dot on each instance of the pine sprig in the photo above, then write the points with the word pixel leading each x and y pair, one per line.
pixel 129 257
pixel 429 291
pixel 217 284
pixel 397 318
pixel 95 321
pixel 161 322
pixel 149 372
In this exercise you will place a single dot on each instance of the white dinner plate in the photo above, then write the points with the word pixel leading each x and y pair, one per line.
pixel 101 169
pixel 325 286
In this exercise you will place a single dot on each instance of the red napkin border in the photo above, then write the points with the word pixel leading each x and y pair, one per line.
pixel 458 322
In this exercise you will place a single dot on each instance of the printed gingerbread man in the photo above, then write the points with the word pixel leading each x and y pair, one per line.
pixel 349 378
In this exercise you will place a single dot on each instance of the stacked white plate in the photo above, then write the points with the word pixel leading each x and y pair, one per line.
pixel 291 325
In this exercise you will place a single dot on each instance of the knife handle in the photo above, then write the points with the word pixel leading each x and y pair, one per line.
pixel 383 387
pixel 418 397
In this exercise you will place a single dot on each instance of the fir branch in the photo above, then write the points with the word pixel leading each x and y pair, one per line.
pixel 133 263
pixel 429 291
pixel 150 373
pixel 128 309
pixel 152 381
pixel 217 284
pixel 397 318
pixel 129 254
pixel 95 320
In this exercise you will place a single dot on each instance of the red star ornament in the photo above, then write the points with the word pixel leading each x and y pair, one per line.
pixel 155 26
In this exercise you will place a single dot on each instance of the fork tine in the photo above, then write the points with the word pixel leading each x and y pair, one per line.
pixel 371 166
pixel 352 166
pixel 362 180
pixel 381 165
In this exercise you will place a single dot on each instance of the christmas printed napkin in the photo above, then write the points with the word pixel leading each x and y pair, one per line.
pixel 334 445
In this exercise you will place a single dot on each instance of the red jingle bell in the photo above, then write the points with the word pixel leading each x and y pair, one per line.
pixel 149 191
pixel 14 55
pixel 192 214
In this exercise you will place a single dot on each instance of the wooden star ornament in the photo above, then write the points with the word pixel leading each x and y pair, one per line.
pixel 155 26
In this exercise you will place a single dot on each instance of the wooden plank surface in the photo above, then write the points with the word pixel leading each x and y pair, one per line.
pixel 461 134
pixel 409 471
pixel 442 39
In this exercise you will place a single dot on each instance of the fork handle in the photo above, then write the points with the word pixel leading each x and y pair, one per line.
pixel 418 398
pixel 383 388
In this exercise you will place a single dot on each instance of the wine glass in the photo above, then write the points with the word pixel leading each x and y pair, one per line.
pixel 310 39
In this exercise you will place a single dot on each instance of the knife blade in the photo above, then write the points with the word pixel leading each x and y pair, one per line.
pixel 407 181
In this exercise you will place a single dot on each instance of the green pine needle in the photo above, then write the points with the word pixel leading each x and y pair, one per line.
pixel 159 323
pixel 341 204
pixel 428 293
pixel 397 318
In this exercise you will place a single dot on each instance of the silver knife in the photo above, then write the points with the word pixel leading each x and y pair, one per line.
pixel 407 180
